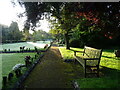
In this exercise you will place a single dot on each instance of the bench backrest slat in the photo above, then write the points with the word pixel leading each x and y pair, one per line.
pixel 93 53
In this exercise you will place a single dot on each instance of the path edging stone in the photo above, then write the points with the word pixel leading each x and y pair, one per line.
pixel 24 76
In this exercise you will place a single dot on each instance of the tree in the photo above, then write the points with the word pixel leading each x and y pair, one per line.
pixel 41 35
pixel 27 35
pixel 14 33
pixel 11 33
pixel 4 32
pixel 38 9
pixel 64 22
pixel 99 16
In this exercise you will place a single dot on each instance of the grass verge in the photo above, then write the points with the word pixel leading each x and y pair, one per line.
pixel 108 67
pixel 11 59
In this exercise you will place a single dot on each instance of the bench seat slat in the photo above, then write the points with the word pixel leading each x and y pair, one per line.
pixel 89 61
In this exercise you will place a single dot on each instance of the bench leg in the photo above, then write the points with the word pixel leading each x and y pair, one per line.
pixel 85 68
pixel 75 61
pixel 85 72
pixel 97 71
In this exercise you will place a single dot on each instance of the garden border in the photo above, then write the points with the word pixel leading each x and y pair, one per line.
pixel 20 80
pixel 24 76
pixel 20 51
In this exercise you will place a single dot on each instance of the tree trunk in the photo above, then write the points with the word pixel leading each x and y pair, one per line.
pixel 67 41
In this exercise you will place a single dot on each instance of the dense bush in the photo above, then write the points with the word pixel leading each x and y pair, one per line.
pixel 95 40
pixel 104 42
pixel 74 43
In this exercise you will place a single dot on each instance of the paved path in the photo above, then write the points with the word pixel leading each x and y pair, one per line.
pixel 51 72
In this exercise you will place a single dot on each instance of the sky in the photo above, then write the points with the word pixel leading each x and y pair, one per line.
pixel 8 13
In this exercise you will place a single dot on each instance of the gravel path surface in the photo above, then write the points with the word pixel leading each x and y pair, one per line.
pixel 52 72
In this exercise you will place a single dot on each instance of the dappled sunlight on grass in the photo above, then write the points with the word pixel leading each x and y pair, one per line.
pixel 109 70
pixel 108 58
pixel 68 54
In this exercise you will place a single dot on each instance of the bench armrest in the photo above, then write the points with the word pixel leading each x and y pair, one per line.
pixel 77 51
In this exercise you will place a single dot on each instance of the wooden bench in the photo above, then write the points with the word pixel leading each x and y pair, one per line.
pixel 89 59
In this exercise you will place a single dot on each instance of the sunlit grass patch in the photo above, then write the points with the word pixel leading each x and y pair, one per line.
pixel 16 46
pixel 68 54
pixel 109 67
pixel 109 60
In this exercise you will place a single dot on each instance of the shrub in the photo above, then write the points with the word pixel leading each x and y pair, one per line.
pixel 74 43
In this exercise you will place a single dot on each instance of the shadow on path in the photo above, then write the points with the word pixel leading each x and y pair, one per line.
pixel 52 72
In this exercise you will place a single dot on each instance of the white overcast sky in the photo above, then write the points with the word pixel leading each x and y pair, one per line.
pixel 8 13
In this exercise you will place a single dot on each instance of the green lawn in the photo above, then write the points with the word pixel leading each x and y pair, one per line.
pixel 11 59
pixel 8 60
pixel 68 54
pixel 16 46
pixel 108 67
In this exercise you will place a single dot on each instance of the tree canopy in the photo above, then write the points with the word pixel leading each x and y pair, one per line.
pixel 41 35
pixel 11 33
pixel 88 19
